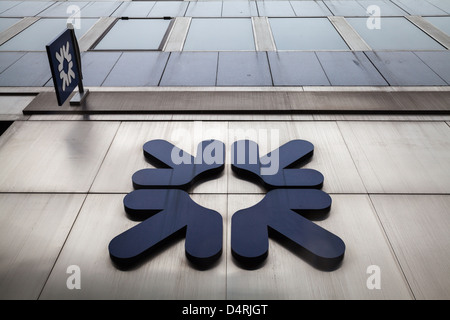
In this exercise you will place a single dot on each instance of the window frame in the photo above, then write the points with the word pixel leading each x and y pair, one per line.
pixel 111 26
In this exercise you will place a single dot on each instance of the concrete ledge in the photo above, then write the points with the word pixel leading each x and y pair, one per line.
pixel 36 90
pixel 248 102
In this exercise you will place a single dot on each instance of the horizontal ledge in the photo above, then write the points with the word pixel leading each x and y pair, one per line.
pixel 36 90
pixel 248 102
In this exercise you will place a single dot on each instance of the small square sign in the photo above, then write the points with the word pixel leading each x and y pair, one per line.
pixel 62 56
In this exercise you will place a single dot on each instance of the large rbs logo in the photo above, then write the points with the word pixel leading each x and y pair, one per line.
pixel 161 200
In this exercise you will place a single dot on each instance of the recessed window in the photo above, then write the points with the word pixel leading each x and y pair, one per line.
pixel 168 9
pixel 444 5
pixel 204 9
pixel 421 7
pixel 135 34
pixel 225 34
pixel 6 5
pixel 134 9
pixel 25 8
pixel 394 34
pixel 41 33
pixel 235 9
pixel 306 34
pixel 310 8
pixel 442 23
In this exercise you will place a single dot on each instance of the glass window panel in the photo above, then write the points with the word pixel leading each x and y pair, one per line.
pixel 220 34
pixel 5 5
pixel 169 9
pixel 41 33
pixel 345 8
pixel 306 34
pixel 239 9
pixel 310 8
pixel 442 23
pixel 275 9
pixel 387 8
pixel 134 9
pixel 394 34
pixel 441 4
pixel 204 9
pixel 27 8
pixel 135 34
pixel 99 9
pixel 63 9
pixel 5 23
pixel 418 7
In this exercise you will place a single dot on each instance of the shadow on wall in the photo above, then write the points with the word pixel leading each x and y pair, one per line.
pixel 4 125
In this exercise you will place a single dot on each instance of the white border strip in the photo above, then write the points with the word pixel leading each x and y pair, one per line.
pixel 177 36
pixel 349 34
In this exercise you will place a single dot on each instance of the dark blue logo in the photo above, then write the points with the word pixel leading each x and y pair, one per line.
pixel 293 198
pixel 63 59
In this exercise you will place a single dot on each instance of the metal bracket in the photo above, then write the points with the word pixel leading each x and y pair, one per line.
pixel 78 98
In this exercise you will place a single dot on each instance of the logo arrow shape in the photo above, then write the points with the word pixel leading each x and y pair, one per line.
pixel 179 169
pixel 171 211
pixel 247 164
pixel 281 211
